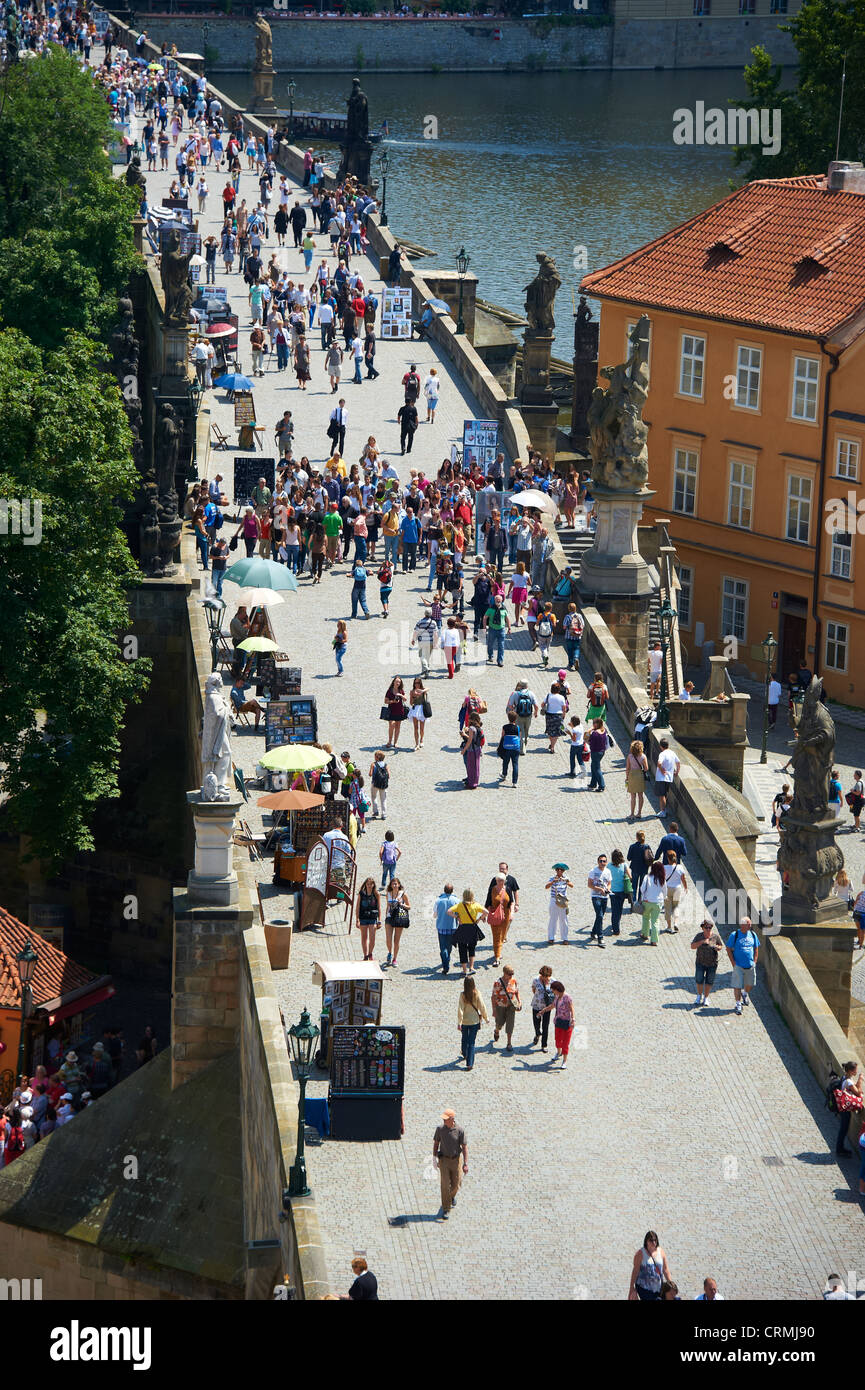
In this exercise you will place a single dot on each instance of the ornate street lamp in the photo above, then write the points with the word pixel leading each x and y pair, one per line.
pixel 383 165
pixel 214 608
pixel 302 1038
pixel 205 31
pixel 770 647
pixel 292 88
pixel 462 266
pixel 26 961
pixel 666 618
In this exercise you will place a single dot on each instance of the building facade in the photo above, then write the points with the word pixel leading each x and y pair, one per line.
pixel 756 410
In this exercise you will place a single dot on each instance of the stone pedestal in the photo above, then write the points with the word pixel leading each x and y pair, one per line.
pixel 355 160
pixel 827 950
pixel 175 352
pixel 812 842
pixel 263 103
pixel 537 406
pixel 213 880
pixel 628 621
pixel 614 564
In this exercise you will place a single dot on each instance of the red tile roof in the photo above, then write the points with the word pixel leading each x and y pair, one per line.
pixel 55 973
pixel 783 254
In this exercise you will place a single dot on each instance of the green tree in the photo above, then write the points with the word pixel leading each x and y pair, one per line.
pixel 823 32
pixel 63 601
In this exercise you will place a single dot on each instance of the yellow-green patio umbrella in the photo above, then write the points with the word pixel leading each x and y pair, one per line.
pixel 294 757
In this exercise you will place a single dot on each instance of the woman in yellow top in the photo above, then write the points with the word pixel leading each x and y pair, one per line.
pixel 467 935
pixel 390 531
pixel 470 1011
pixel 336 461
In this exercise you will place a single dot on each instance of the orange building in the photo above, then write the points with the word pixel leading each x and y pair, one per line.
pixel 756 409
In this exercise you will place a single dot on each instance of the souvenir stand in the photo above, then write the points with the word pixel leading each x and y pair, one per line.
pixel 367 1081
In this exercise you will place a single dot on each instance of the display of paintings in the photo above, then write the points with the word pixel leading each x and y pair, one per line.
pixel 396 313
pixel 480 444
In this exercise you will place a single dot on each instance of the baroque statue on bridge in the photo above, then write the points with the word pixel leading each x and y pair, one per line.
pixel 174 271
pixel 617 431
pixel 540 295
pixel 358 113
pixel 263 43
pixel 808 857
pixel 215 742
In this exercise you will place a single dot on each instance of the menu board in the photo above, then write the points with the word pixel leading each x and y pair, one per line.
pixel 294 720
pixel 248 468
pixel 480 444
pixel 244 411
pixel 367 1060
pixel 396 313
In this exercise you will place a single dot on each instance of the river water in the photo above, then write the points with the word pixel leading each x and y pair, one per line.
pixel 529 162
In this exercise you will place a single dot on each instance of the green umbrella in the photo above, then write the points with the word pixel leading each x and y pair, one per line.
pixel 262 574
pixel 294 757
pixel 257 644
pixel 561 866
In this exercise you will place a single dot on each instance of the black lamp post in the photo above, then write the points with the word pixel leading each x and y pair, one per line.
pixel 770 647
pixel 214 609
pixel 383 165
pixel 195 395
pixel 462 266
pixel 302 1038
pixel 26 961
pixel 292 88
pixel 666 618
pixel 205 31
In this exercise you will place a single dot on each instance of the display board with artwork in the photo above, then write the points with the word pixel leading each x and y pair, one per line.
pixel 367 1061
pixel 294 720
pixel 395 313
pixel 480 444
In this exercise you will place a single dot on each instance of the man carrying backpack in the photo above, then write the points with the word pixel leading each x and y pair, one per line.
pixel 496 623
pixel 544 629
pixel 358 590
pixel 572 626
pixel 524 704
pixel 743 948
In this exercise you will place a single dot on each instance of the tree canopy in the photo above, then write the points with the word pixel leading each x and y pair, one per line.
pixel 823 31
pixel 66 252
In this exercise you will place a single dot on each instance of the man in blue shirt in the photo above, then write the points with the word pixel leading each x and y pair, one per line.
pixel 445 925
pixel 672 840
pixel 410 532
pixel 743 948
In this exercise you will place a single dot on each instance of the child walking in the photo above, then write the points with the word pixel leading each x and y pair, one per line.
pixel 340 642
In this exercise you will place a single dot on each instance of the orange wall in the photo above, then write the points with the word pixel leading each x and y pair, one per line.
pixel 778 447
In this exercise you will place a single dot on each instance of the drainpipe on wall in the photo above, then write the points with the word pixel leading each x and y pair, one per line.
pixel 818 550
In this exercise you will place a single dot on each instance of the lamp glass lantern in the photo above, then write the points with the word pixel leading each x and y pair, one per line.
pixel 666 618
pixel 26 961
pixel 462 259
pixel 383 167
pixel 292 88
pixel 770 647
pixel 302 1038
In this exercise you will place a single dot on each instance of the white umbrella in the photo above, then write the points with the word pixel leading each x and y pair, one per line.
pixel 261 598
pixel 533 498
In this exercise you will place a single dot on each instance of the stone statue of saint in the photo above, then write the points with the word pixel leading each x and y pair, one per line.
pixel 358 113
pixel 134 177
pixel 584 313
pixel 617 432
pixel 215 743
pixel 263 43
pixel 808 857
pixel 174 271
pixel 540 295
pixel 167 447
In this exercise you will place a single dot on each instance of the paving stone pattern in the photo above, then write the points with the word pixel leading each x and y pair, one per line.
pixel 664 1118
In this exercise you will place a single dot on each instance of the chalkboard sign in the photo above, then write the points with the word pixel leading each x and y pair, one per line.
pixel 275 677
pixel 247 471
pixel 367 1061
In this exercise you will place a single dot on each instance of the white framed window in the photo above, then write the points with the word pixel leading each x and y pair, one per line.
pixel 798 508
pixel 749 364
pixel 741 494
pixel 806 381
pixel 691 369
pixel 734 608
pixel 836 646
pixel 685 465
pixel 683 600
pixel 841 558
pixel 847 452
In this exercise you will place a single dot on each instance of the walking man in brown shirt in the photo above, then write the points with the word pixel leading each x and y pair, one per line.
pixel 449 1142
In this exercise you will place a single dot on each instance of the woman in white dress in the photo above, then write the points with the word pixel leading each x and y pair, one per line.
pixel 431 391
pixel 416 700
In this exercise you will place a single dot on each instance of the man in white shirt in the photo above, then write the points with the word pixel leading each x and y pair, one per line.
pixel 338 851
pixel 773 699
pixel 656 661
pixel 687 691
pixel 325 323
pixel 710 1293
pixel 667 769
pixel 599 884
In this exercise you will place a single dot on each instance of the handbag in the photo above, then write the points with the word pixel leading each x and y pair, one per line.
pixel 232 544
pixel 384 713
pixel 427 709
pixel 848 1100
pixel 399 915
pixel 561 901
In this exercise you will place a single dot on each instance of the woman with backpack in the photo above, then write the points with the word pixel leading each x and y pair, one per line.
pixel 855 798
pixel 14 1144
pixel 472 749
pixel 396 918
pixel 379 778
pixel 544 629
pixel 639 857
pixel 385 581
pixel 597 696
pixel 510 745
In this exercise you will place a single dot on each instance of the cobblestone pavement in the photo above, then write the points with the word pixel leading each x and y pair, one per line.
pixel 707 1127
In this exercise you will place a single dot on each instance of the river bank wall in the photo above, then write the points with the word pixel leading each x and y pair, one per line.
pixel 466 45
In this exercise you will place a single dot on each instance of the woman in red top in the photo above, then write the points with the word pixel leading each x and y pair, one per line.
pixel 264 528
